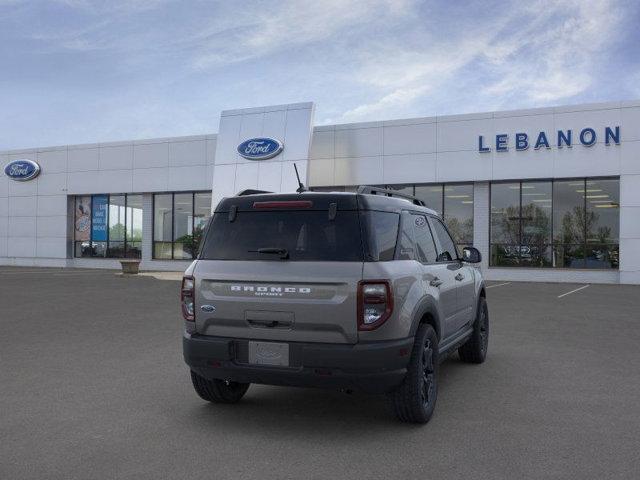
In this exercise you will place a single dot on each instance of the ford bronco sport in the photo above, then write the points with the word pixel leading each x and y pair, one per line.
pixel 356 291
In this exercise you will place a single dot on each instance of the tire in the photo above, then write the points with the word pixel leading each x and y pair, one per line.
pixel 415 399
pixel 475 349
pixel 218 391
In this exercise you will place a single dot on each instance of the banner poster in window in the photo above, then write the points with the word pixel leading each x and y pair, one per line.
pixel 99 218
pixel 83 219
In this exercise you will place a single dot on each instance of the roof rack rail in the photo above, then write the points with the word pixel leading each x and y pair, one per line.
pixel 251 191
pixel 366 189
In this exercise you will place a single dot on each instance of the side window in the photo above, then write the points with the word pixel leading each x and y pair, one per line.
pixel 406 242
pixel 446 249
pixel 424 241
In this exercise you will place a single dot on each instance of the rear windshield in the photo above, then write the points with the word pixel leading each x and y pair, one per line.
pixel 302 235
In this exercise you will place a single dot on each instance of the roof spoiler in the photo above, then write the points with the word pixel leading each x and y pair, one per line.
pixel 251 191
pixel 367 190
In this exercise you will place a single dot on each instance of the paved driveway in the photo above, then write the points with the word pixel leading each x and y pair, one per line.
pixel 92 385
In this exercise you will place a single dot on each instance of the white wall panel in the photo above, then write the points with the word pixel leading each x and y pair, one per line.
pixel 21 246
pixel 52 183
pixel 630 157
pixel 188 153
pixel 528 163
pixel 51 205
pixel 420 138
pixel 246 176
pixel 83 159
pixel 408 168
pixel 228 140
pixel 630 124
pixel 581 161
pixel 463 135
pixel 22 227
pixel 322 172
pixel 358 142
pixel 359 171
pixel 269 176
pixel 151 155
pixel 22 206
pixel 52 226
pixel 4 206
pixel 115 181
pixel 223 183
pixel 53 161
pixel 150 179
pixel 188 178
pixel 117 157
pixel 463 166
pixel 273 125
pixel 297 136
pixel 630 191
pixel 4 226
pixel 322 144
pixel 84 182
pixel 22 189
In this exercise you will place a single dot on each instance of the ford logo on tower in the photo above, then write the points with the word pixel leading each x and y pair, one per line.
pixel 260 148
pixel 22 170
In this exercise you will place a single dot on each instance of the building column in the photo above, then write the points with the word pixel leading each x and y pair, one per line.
pixel 629 229
pixel 147 227
pixel 481 210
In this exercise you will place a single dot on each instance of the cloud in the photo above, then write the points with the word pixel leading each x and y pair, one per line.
pixel 542 53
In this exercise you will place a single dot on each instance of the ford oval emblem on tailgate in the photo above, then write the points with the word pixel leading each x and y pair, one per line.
pixel 207 308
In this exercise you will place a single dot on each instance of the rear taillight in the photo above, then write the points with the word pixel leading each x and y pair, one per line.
pixel 187 298
pixel 375 303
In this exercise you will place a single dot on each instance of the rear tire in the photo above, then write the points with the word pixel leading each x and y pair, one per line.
pixel 415 399
pixel 218 391
pixel 475 349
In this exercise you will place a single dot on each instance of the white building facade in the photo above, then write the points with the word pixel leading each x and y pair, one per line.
pixel 549 194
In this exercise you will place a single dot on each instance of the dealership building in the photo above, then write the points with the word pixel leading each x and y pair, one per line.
pixel 548 194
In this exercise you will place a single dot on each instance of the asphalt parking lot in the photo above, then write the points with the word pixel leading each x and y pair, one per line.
pixel 92 385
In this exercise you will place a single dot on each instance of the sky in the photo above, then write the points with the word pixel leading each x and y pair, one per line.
pixel 80 71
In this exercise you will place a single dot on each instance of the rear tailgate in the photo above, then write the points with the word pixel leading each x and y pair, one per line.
pixel 278 300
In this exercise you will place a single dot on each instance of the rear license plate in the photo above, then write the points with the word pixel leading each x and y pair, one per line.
pixel 269 353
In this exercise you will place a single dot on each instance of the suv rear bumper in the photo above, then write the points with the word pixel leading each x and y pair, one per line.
pixel 374 367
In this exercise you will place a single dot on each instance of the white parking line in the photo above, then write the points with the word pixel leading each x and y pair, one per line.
pixel 498 284
pixel 573 291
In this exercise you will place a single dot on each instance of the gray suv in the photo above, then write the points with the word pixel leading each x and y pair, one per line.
pixel 356 291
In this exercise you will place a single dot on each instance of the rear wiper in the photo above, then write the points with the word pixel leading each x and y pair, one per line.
pixel 283 252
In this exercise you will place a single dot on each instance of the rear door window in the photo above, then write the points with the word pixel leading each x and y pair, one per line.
pixel 424 240
pixel 446 247
pixel 406 240
pixel 305 235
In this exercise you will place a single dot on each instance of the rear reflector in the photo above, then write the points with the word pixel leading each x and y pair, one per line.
pixel 284 204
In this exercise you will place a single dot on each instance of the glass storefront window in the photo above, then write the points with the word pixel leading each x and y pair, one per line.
pixel 458 213
pixel 535 229
pixel 183 226
pixel 505 224
pixel 134 226
pixel 179 221
pixel 162 225
pixel 431 195
pixel 108 226
pixel 564 224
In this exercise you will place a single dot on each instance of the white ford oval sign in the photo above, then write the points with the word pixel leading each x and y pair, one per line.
pixel 22 170
pixel 260 148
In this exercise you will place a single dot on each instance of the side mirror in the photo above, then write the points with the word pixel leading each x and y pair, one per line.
pixel 471 255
